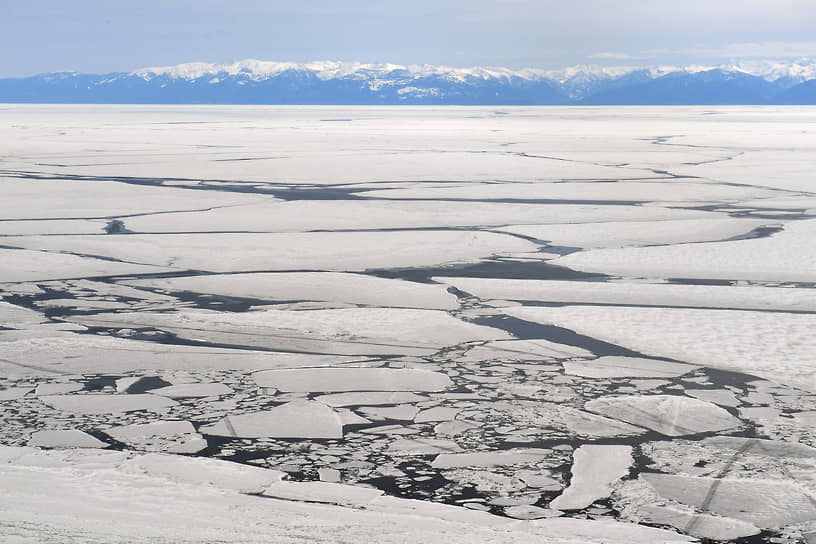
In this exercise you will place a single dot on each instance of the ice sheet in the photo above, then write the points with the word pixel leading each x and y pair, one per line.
pixel 772 345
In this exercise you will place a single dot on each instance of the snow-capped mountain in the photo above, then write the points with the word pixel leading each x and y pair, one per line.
pixel 331 82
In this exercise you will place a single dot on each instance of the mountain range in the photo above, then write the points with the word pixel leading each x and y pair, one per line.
pixel 261 82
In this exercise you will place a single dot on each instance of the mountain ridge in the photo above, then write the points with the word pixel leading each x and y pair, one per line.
pixel 332 82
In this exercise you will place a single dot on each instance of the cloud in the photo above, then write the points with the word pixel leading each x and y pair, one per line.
pixel 618 56
pixel 747 50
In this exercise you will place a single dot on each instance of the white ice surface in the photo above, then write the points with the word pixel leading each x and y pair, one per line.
pixel 789 255
pixel 347 331
pixel 25 265
pixel 70 438
pixel 107 404
pixel 613 234
pixel 324 286
pixel 748 297
pixel 775 346
pixel 335 251
pixel 671 415
pixel 78 354
pixel 315 215
pixel 330 380
pixel 296 419
pixel 618 367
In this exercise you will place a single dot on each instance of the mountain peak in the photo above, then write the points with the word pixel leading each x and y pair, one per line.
pixel 254 81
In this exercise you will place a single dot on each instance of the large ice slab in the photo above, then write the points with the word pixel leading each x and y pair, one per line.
pixel 88 354
pixel 353 379
pixel 638 233
pixel 768 504
pixel 490 458
pixel 745 297
pixel 296 419
pixel 79 199
pixel 776 346
pixel 577 191
pixel 595 470
pixel 71 438
pixel 165 436
pixel 193 390
pixel 347 331
pixel 237 252
pixel 667 414
pixel 619 367
pixel 31 265
pixel 312 286
pixel 107 404
pixel 369 398
pixel 786 256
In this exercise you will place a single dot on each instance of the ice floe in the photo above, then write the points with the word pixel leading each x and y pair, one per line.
pixel 787 256
pixel 107 404
pixel 164 436
pixel 71 438
pixel 312 286
pixel 296 419
pixel 767 504
pixel 192 390
pixel 490 458
pixel 619 367
pixel 353 379
pixel 595 470
pixel 667 414
pixel 638 293
pixel 776 346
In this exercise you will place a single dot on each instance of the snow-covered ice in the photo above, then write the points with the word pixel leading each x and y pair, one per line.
pixel 421 324
pixel 667 414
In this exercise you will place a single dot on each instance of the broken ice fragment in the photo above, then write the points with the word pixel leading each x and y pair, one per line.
pixel 438 413
pixel 404 412
pixel 626 367
pixel 14 393
pixel 57 388
pixel 595 426
pixel 531 512
pixel 107 404
pixel 422 446
pixel 193 390
pixel 490 458
pixel 453 428
pixel 71 438
pixel 369 398
pixel 352 379
pixel 296 419
pixel 166 436
pixel 595 469
pixel 667 414
pixel 723 397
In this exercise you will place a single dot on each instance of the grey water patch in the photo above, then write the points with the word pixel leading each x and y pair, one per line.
pixel 759 232
pixel 116 226
pixel 529 330
pixel 494 268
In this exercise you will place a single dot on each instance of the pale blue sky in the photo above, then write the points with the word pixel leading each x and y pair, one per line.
pixel 104 36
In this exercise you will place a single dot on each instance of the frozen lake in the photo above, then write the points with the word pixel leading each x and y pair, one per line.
pixel 366 324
